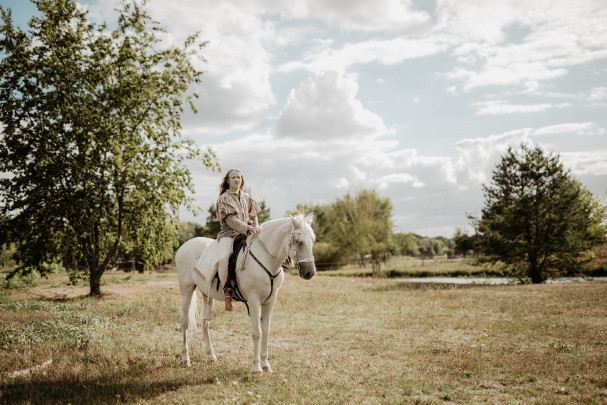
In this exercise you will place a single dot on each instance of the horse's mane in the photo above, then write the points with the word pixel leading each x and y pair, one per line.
pixel 299 217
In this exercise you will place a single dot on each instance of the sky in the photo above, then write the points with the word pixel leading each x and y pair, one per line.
pixel 415 99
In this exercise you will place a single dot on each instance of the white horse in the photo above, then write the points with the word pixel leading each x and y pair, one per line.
pixel 259 275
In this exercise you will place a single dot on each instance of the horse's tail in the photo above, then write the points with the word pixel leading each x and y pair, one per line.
pixel 193 313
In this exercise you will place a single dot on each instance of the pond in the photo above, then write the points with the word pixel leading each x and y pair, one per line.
pixel 492 280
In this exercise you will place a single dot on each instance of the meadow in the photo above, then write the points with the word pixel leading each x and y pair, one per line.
pixel 334 340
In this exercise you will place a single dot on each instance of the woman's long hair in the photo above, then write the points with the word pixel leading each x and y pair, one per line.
pixel 225 185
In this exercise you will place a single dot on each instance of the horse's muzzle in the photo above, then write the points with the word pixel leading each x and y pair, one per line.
pixel 307 270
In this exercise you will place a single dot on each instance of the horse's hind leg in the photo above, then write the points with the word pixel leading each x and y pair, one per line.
pixel 186 300
pixel 207 315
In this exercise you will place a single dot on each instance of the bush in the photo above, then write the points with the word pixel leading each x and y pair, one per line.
pixel 327 256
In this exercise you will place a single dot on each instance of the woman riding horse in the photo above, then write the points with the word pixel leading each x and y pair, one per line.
pixel 237 214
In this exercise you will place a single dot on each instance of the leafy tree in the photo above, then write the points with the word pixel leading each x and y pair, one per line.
pixel 189 230
pixel 6 253
pixel 363 226
pixel 91 141
pixel 406 244
pixel 464 243
pixel 264 214
pixel 212 226
pixel 327 254
pixel 536 216
pixel 426 247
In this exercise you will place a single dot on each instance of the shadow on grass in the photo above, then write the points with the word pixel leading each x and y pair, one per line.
pixel 102 390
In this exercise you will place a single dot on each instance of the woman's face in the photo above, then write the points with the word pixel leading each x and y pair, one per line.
pixel 234 180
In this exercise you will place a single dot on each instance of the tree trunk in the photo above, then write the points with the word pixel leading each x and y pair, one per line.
pixel 535 273
pixel 376 268
pixel 95 282
pixel 376 264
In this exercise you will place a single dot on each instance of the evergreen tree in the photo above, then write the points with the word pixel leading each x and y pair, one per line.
pixel 536 216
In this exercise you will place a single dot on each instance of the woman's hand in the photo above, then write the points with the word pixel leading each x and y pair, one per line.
pixel 254 230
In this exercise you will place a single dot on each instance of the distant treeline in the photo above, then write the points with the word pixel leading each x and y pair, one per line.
pixel 352 229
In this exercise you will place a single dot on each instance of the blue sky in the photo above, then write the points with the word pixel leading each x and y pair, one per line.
pixel 417 100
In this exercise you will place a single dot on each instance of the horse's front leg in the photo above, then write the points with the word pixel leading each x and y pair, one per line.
pixel 254 308
pixel 266 315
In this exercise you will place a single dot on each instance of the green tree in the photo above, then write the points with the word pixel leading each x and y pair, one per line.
pixel 406 244
pixel 536 216
pixel 327 254
pixel 91 137
pixel 6 254
pixel 212 226
pixel 264 214
pixel 362 225
pixel 189 230
pixel 464 243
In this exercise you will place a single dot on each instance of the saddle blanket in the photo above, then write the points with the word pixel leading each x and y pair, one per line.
pixel 208 262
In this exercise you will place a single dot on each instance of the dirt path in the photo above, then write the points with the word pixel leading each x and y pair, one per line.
pixel 108 292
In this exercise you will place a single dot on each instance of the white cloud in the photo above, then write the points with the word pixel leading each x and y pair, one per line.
pixel 356 15
pixel 598 94
pixel 394 178
pixel 499 107
pixel 325 107
pixel 387 52
pixel 581 128
pixel 592 162
pixel 478 156
pixel 562 34
pixel 235 89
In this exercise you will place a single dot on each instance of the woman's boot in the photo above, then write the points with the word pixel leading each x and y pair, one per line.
pixel 228 299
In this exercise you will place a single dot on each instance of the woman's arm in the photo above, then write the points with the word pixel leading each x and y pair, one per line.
pixel 237 224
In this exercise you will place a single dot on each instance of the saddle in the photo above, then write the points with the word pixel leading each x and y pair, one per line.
pixel 240 241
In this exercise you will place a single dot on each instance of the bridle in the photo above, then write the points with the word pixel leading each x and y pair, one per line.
pixel 292 244
pixel 277 261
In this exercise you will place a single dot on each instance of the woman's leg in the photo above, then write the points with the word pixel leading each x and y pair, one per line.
pixel 225 249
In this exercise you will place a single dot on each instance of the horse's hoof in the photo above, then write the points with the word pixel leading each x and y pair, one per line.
pixel 267 369
pixel 185 364
pixel 212 359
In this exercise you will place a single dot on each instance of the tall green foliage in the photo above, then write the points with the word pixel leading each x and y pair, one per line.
pixel 91 143
pixel 327 254
pixel 354 226
pixel 536 216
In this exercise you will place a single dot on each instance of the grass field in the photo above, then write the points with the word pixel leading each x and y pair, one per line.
pixel 335 340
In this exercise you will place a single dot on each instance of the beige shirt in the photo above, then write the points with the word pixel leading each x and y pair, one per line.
pixel 235 213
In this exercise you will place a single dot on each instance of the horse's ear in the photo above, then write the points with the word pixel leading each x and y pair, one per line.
pixel 309 218
pixel 294 221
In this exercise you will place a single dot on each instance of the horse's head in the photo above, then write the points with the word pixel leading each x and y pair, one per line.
pixel 302 242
